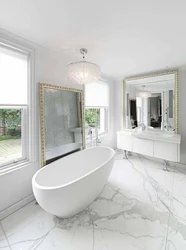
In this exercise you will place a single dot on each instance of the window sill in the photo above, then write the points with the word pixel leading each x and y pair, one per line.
pixel 14 166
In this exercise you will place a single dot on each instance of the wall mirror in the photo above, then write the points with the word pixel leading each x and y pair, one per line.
pixel 151 101
pixel 61 118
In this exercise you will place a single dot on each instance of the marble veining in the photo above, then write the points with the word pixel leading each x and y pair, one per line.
pixel 3 241
pixel 141 207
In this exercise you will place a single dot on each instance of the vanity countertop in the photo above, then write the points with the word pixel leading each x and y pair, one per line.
pixel 153 135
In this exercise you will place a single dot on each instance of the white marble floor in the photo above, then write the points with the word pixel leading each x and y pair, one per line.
pixel 140 208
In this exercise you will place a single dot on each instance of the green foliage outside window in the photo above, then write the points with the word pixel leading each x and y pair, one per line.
pixel 92 116
pixel 10 119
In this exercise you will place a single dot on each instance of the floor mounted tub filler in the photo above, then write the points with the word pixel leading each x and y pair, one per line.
pixel 68 185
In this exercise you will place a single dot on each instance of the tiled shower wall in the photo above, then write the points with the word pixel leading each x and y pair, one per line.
pixel 61 117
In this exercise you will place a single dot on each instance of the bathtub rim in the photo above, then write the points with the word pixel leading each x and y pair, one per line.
pixel 41 187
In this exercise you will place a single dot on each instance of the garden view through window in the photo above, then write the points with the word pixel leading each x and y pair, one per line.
pixel 10 134
pixel 95 119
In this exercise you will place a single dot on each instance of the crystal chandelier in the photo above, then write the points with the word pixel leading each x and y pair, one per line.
pixel 84 72
pixel 143 93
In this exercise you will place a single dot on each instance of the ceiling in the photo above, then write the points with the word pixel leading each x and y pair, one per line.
pixel 124 37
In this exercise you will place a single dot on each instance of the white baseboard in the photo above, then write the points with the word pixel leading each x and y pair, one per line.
pixel 10 210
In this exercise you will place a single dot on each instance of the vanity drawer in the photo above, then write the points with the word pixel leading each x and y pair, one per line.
pixel 124 142
pixel 143 146
pixel 166 151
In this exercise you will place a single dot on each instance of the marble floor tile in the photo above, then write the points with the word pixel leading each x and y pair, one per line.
pixel 3 241
pixel 176 238
pixel 132 213
pixel 27 226
pixel 144 180
pixel 177 226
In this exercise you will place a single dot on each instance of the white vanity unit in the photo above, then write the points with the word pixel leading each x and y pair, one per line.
pixel 157 144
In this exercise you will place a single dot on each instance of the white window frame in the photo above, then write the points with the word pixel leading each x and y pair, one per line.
pixel 29 127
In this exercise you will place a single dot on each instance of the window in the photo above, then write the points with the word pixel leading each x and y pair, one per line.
pixel 95 119
pixel 14 76
pixel 96 108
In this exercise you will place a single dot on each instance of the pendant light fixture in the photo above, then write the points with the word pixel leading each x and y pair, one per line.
pixel 84 72
pixel 143 93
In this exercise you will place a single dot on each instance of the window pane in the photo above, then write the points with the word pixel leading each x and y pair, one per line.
pixel 13 77
pixel 95 120
pixel 10 135
pixel 90 117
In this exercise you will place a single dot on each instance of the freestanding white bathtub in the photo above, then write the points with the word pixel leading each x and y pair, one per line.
pixel 68 185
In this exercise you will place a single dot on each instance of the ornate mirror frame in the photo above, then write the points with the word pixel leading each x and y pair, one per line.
pixel 175 72
pixel 42 87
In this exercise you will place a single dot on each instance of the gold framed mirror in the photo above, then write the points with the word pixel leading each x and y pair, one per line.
pixel 61 121
pixel 156 98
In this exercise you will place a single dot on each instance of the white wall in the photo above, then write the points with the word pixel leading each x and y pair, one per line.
pixel 50 67
pixel 182 110
pixel 118 109
pixel 131 90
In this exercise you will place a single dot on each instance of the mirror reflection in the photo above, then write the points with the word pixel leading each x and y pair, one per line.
pixel 150 102
pixel 62 123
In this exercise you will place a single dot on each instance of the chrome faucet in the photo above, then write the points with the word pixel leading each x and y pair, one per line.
pixel 90 136
pixel 98 141
pixel 90 133
pixel 142 126
pixel 168 127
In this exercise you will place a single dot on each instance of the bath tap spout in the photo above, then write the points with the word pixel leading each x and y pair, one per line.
pixel 98 141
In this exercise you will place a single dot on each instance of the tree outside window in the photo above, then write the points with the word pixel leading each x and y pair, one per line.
pixel 10 124
pixel 92 116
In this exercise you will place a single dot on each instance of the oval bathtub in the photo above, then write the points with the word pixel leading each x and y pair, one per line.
pixel 68 185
